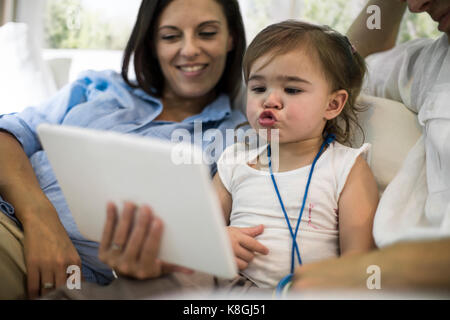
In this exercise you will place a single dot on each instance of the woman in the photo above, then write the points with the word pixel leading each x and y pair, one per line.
pixel 180 50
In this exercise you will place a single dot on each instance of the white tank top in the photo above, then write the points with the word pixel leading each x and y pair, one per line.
pixel 255 202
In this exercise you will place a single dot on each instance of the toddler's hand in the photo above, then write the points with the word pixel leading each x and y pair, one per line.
pixel 244 245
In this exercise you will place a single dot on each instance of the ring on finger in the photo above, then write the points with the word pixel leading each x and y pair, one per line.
pixel 48 285
pixel 116 247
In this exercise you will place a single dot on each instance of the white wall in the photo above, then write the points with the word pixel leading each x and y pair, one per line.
pixel 32 12
pixel 258 14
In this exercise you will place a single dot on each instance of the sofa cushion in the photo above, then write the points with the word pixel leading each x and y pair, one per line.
pixel 393 130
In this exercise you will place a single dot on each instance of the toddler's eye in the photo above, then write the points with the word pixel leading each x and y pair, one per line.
pixel 292 91
pixel 259 89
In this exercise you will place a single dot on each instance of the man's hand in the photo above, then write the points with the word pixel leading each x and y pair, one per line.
pixel 244 244
pixel 345 272
pixel 409 265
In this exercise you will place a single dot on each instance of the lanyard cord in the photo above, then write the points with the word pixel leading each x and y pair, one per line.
pixel 327 141
pixel 294 242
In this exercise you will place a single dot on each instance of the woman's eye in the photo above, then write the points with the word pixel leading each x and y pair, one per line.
pixel 208 34
pixel 292 91
pixel 258 89
pixel 169 37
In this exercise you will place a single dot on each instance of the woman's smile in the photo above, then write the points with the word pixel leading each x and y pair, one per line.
pixel 192 70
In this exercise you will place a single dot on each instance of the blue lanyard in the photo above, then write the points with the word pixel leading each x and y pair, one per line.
pixel 328 140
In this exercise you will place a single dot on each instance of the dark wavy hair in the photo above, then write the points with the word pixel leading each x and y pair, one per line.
pixel 343 67
pixel 149 76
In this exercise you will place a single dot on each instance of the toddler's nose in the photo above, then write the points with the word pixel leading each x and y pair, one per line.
pixel 273 101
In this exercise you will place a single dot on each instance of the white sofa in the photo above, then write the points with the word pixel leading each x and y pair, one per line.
pixel 66 65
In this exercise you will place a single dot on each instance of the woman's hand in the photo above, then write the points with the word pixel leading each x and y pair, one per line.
pixel 130 246
pixel 244 245
pixel 48 252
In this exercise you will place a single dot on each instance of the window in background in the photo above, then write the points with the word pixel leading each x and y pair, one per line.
pixel 338 14
pixel 106 24
pixel 89 24
pixel 418 26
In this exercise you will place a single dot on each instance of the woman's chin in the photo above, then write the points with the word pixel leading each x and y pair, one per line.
pixel 194 92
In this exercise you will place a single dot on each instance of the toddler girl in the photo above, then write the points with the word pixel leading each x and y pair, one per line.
pixel 302 83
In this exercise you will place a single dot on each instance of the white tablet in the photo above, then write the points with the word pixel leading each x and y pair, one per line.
pixel 94 167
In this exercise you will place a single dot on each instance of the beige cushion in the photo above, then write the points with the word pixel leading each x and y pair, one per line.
pixel 392 129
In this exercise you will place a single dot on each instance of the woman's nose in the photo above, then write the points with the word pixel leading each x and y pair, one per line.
pixel 190 48
pixel 419 5
pixel 273 100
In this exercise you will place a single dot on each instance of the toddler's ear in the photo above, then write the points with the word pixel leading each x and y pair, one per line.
pixel 337 101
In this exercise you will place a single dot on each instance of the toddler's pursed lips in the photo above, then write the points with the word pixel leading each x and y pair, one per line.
pixel 268 115
pixel 267 119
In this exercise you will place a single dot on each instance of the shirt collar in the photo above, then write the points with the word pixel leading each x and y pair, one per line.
pixel 144 95
pixel 215 111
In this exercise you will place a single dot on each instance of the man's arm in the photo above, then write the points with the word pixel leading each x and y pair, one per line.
pixel 369 41
pixel 420 265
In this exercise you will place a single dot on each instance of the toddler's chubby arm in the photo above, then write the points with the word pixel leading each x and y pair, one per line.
pixel 243 241
pixel 357 205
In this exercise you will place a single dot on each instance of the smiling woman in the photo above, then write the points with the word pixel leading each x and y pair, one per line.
pixel 179 50
pixel 207 41
pixel 192 52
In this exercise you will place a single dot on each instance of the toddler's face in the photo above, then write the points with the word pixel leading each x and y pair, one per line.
pixel 289 93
